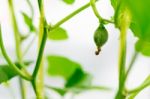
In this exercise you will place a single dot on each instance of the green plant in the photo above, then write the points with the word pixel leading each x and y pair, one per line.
pixel 128 15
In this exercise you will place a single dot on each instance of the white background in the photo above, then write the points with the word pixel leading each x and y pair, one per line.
pixel 79 47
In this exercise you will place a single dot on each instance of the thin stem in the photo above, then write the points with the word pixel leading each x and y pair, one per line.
pixel 40 55
pixel 133 93
pixel 122 60
pixel 134 57
pixel 29 46
pixel 16 31
pixel 124 21
pixel 31 7
pixel 38 81
pixel 18 47
pixel 145 84
pixel 70 15
pixel 11 64
pixel 93 5
pixel 95 10
pixel 23 88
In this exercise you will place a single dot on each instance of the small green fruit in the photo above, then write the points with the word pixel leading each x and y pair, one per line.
pixel 100 37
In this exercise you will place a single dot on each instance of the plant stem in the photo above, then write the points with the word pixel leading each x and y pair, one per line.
pixel 22 88
pixel 11 64
pixel 40 55
pixel 95 10
pixel 38 76
pixel 38 71
pixel 93 5
pixel 16 31
pixel 124 21
pixel 17 36
pixel 134 57
pixel 122 60
pixel 18 48
pixel 31 8
pixel 29 46
pixel 70 15
pixel 133 93
pixel 145 84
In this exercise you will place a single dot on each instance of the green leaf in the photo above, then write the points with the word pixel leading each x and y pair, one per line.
pixel 58 34
pixel 140 18
pixel 61 66
pixel 69 1
pixel 61 91
pixel 87 88
pixel 28 22
pixel 140 25
pixel 114 3
pixel 79 78
pixel 7 73
pixel 76 79
pixel 143 47
pixel 80 82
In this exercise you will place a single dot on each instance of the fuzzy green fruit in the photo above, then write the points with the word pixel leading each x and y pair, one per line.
pixel 100 37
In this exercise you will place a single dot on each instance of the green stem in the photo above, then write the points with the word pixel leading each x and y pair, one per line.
pixel 38 76
pixel 18 48
pixel 133 93
pixel 134 57
pixel 95 10
pixel 11 64
pixel 124 21
pixel 31 7
pixel 40 55
pixel 17 36
pixel 144 85
pixel 122 60
pixel 29 46
pixel 93 5
pixel 70 15
pixel 38 71
pixel 16 32
pixel 23 88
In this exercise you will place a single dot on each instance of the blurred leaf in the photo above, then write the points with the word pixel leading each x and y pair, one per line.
pixel 69 1
pixel 58 34
pixel 94 88
pixel 7 73
pixel 61 66
pixel 81 89
pixel 40 4
pixel 143 47
pixel 79 82
pixel 140 21
pixel 140 18
pixel 61 91
pixel 76 79
pixel 114 3
pixel 79 78
pixel 28 22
